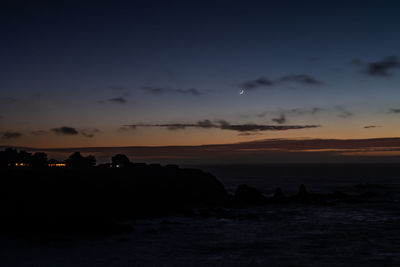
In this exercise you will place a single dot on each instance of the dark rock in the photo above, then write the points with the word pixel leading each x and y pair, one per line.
pixel 172 166
pixel 303 196
pixel 151 231
pixel 167 222
pixel 122 228
pixel 368 186
pixel 247 195
pixel 303 193
pixel 54 239
pixel 338 195
pixel 279 197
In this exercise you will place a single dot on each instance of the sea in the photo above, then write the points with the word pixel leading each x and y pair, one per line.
pixel 364 232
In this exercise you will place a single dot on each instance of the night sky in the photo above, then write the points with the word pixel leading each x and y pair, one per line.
pixel 161 73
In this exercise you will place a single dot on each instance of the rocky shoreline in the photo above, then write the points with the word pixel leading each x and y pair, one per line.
pixel 94 201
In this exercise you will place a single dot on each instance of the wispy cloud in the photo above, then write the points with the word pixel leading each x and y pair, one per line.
pixel 300 78
pixel 260 82
pixel 127 128
pixel 343 112
pixel 283 114
pixel 118 100
pixel 11 135
pixel 166 90
pixel 394 110
pixel 89 133
pixel 303 79
pixel 65 130
pixel 8 100
pixel 39 132
pixel 371 126
pixel 383 66
pixel 280 120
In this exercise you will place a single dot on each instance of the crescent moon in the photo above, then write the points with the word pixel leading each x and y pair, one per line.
pixel 241 92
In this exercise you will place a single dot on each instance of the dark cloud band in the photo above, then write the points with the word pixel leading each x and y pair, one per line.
pixel 224 125
pixel 11 135
pixel 382 67
pixel 165 90
pixel 118 100
pixel 65 130
pixel 303 79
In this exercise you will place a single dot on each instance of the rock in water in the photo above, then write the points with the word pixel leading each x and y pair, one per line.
pixel 247 195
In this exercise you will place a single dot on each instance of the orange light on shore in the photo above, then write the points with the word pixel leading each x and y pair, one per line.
pixel 21 164
pixel 56 165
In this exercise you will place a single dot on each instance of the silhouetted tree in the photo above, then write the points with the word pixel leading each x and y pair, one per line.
pixel 76 160
pixel 91 160
pixel 121 160
pixel 39 160
pixel 8 157
pixel 24 157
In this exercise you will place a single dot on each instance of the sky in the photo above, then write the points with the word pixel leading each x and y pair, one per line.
pixel 170 73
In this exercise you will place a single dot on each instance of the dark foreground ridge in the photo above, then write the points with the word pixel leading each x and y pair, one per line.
pixel 75 195
pixel 41 196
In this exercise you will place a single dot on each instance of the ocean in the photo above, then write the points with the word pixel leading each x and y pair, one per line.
pixel 364 232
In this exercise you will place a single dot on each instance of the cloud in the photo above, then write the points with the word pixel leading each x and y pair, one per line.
pixel 65 130
pixel 260 82
pixel 303 79
pixel 281 115
pixel 311 111
pixel 248 133
pixel 257 127
pixel 224 125
pixel 39 132
pixel 90 133
pixel 118 100
pixel 303 111
pixel 371 126
pixel 382 67
pixel 7 100
pixel 127 128
pixel 287 112
pixel 11 135
pixel 394 110
pixel 343 112
pixel 300 78
pixel 165 90
pixel 280 120
pixel 206 124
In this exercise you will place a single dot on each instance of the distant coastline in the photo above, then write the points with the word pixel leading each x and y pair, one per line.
pixel 269 151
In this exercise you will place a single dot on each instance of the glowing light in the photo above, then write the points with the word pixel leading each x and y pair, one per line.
pixel 56 165
pixel 21 164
